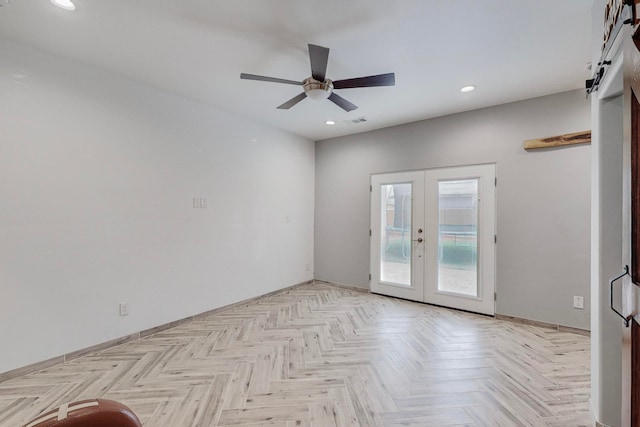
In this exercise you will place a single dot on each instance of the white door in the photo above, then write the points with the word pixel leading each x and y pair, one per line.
pixel 397 228
pixel 440 248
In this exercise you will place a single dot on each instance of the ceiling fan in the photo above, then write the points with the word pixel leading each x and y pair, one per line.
pixel 319 87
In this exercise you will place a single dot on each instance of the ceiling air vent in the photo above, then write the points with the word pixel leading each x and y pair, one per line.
pixel 356 121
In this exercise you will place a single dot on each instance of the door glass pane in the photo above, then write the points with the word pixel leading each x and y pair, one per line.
pixel 395 250
pixel 458 236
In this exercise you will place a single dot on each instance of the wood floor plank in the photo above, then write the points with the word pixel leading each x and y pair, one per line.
pixel 320 355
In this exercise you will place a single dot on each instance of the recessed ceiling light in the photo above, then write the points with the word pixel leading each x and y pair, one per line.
pixel 467 89
pixel 64 4
pixel 330 122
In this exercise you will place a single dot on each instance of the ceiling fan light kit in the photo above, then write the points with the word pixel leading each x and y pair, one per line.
pixel 317 90
pixel 64 4
pixel 318 87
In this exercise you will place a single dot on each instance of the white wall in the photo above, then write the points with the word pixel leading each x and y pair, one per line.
pixel 543 219
pixel 97 176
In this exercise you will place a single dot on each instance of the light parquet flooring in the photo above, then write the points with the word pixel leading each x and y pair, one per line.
pixel 319 355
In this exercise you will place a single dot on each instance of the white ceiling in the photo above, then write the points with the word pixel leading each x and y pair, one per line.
pixel 509 49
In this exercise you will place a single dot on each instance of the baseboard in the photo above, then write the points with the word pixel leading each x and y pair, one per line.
pixel 251 300
pixel 540 324
pixel 102 346
pixel 343 286
pixel 571 330
pixel 34 367
pixel 38 366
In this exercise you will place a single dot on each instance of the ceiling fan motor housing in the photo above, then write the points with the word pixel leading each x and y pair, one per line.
pixel 317 90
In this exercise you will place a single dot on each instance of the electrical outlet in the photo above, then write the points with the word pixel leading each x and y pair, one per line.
pixel 578 302
pixel 124 309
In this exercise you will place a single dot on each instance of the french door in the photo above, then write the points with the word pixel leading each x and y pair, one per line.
pixel 432 236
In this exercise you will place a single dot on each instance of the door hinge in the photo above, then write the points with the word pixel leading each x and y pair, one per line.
pixel 369 276
pixel 496 181
pixel 495 238
pixel 369 232
pixel 495 296
pixel 371 189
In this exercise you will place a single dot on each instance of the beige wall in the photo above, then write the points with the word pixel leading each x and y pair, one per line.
pixel 543 198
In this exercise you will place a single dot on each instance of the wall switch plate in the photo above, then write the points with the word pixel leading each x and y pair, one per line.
pixel 199 203
pixel 124 309
pixel 578 302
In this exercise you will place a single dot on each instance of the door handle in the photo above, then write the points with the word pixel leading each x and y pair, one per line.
pixel 626 319
pixel 419 240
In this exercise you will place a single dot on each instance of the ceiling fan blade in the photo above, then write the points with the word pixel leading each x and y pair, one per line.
pixel 293 101
pixel 341 102
pixel 319 57
pixel 388 79
pixel 246 76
